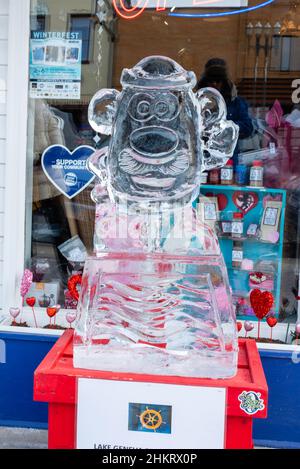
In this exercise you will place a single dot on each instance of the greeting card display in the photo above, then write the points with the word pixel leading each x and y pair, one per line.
pixel 155 297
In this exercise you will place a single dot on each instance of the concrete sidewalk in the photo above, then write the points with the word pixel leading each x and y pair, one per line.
pixel 23 438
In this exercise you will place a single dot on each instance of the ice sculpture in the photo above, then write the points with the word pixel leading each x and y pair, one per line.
pixel 155 296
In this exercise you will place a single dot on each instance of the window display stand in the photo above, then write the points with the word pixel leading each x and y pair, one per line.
pixel 59 383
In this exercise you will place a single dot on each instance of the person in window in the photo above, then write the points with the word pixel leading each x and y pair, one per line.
pixel 216 76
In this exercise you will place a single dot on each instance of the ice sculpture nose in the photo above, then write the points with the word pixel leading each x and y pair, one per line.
pixel 154 141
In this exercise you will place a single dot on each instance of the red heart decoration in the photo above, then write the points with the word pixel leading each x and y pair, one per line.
pixel 72 285
pixel 271 321
pixel 30 301
pixel 245 201
pixel 51 312
pixel 239 326
pixel 222 199
pixel 261 302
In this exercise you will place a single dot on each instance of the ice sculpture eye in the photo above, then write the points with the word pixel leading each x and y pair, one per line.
pixel 143 109
pixel 167 108
pixel 139 107
pixel 161 108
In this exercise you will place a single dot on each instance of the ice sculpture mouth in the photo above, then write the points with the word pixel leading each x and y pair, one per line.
pixel 152 141
pixel 154 183
pixel 173 165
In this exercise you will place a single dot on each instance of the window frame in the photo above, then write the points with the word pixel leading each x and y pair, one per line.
pixel 91 41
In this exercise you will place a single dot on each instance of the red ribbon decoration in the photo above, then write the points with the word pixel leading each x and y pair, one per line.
pixel 72 285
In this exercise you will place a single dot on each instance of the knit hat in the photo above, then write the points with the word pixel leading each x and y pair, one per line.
pixel 216 73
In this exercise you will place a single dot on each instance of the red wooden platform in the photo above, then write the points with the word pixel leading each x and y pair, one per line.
pixel 55 382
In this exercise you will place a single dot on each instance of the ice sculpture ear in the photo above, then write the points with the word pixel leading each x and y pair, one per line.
pixel 219 136
pixel 102 110
pixel 97 164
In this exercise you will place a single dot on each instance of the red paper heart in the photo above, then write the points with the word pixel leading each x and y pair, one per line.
pixel 51 312
pixel 245 201
pixel 30 301
pixel 222 199
pixel 272 321
pixel 239 326
pixel 72 285
pixel 261 302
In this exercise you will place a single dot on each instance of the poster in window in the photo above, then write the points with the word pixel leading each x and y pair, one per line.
pixel 55 65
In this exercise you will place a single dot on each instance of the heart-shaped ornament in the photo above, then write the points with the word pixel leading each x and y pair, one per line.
pixel 51 311
pixel 67 170
pixel 261 302
pixel 71 316
pixel 222 199
pixel 30 301
pixel 73 282
pixel 245 201
pixel 271 321
pixel 239 326
pixel 249 326
pixel 14 312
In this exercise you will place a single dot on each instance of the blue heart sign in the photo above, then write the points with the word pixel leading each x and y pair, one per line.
pixel 67 170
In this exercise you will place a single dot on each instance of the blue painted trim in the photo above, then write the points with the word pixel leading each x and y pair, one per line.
pixel 223 13
pixel 276 354
pixel 244 188
pixel 24 424
pixel 277 444
pixel 28 337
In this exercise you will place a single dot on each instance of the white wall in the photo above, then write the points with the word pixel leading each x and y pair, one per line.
pixel 4 7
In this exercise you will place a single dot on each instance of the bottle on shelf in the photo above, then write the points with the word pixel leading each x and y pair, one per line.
pixel 257 174
pixel 204 177
pixel 227 174
pixel 214 176
pixel 241 175
pixel 237 254
pixel 237 225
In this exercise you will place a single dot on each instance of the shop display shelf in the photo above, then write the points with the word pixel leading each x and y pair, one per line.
pixel 254 249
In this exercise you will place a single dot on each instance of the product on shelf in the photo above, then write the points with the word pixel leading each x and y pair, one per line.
pixel 208 210
pixel 257 174
pixel 204 177
pixel 237 226
pixel 237 254
pixel 252 230
pixel 214 176
pixel 270 221
pixel 263 280
pixel 241 172
pixel 227 174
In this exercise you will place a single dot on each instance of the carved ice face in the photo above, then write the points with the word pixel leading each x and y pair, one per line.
pixel 162 134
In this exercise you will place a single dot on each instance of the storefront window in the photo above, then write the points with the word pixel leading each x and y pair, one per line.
pixel 80 46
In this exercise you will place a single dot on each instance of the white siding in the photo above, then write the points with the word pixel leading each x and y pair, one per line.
pixel 4 6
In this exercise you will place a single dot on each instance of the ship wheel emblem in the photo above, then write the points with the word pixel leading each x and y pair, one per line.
pixel 151 419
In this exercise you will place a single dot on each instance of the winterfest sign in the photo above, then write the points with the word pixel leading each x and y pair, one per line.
pixel 137 7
